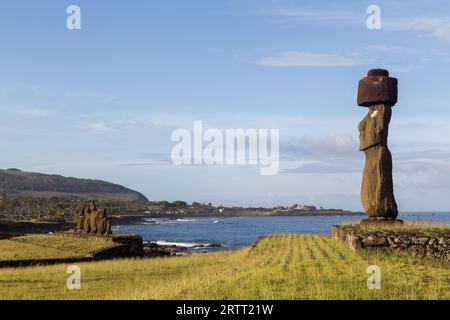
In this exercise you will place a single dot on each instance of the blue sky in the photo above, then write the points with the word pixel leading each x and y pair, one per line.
pixel 101 102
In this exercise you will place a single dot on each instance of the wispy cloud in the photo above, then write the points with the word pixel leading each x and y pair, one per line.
pixel 335 154
pixel 100 127
pixel 338 146
pixel 152 159
pixel 324 168
pixel 34 112
pixel 337 15
pixel 311 59
pixel 424 174
pixel 391 49
pixel 432 26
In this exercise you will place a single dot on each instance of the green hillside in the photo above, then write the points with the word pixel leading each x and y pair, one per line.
pixel 20 183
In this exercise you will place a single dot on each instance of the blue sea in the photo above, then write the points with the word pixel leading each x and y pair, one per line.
pixel 237 232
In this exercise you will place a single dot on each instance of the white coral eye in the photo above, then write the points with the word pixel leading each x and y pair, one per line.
pixel 374 114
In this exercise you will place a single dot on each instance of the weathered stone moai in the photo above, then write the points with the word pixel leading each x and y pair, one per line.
pixel 379 93
pixel 91 220
pixel 87 219
pixel 104 226
pixel 80 218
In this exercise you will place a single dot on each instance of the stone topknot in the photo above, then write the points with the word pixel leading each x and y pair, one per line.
pixel 377 88
pixel 378 73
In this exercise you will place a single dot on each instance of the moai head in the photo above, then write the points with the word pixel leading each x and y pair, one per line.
pixel 102 213
pixel 377 88
pixel 87 208
pixel 81 210
pixel 92 206
pixel 80 217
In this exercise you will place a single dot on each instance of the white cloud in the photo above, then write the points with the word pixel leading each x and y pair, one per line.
pixel 337 15
pixel 436 27
pixel 433 26
pixel 424 174
pixel 34 112
pixel 335 154
pixel 337 146
pixel 389 49
pixel 311 59
pixel 152 159
pixel 100 127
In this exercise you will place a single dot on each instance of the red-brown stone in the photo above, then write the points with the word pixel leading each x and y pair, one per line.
pixel 377 88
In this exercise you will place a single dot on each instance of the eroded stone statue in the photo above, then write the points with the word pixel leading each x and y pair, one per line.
pixel 91 220
pixel 104 226
pixel 378 92
pixel 87 219
pixel 80 218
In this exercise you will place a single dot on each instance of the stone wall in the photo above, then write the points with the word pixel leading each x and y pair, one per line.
pixel 5 236
pixel 131 244
pixel 41 262
pixel 431 246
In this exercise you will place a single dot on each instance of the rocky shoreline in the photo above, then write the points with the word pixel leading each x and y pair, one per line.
pixel 10 228
pixel 153 249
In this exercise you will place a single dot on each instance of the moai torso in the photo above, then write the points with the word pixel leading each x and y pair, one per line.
pixel 373 129
pixel 102 222
pixel 87 221
pixel 80 219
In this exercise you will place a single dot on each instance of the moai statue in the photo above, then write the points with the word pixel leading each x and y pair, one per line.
pixel 108 228
pixel 102 221
pixel 87 219
pixel 378 92
pixel 93 218
pixel 80 218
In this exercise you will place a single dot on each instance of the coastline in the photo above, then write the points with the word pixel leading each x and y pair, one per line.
pixel 10 228
pixel 135 218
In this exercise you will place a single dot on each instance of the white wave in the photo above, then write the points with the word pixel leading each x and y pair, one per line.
pixel 184 244
pixel 151 222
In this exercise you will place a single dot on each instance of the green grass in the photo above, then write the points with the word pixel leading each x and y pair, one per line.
pixel 281 267
pixel 49 247
pixel 420 228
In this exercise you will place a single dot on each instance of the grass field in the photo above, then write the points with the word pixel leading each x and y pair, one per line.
pixel 428 228
pixel 281 267
pixel 49 247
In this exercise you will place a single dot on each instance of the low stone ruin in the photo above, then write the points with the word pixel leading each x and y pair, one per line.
pixel 91 220
pixel 430 245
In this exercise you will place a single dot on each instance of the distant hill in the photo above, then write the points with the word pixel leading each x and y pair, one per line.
pixel 20 183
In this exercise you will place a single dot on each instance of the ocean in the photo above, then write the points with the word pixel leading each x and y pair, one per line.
pixel 237 232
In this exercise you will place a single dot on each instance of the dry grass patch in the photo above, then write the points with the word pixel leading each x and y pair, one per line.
pixel 49 247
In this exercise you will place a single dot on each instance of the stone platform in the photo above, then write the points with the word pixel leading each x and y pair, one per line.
pixel 430 244
pixel 381 222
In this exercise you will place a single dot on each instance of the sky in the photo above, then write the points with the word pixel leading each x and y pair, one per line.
pixel 102 102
